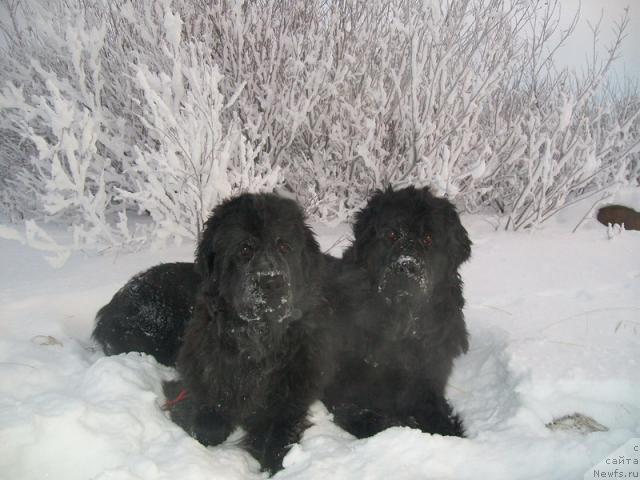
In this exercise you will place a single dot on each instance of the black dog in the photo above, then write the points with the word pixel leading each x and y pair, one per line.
pixel 150 312
pixel 397 349
pixel 255 354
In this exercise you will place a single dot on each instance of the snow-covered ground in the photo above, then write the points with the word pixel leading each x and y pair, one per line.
pixel 555 329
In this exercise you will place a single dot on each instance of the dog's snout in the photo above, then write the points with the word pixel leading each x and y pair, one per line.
pixel 407 265
pixel 271 282
pixel 410 268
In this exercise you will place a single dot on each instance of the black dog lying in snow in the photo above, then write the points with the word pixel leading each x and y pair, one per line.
pixel 397 350
pixel 393 370
pixel 150 312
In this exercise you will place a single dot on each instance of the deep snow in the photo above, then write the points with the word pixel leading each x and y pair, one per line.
pixel 554 319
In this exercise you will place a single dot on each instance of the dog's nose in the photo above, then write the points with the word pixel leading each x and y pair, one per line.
pixel 407 265
pixel 410 268
pixel 271 282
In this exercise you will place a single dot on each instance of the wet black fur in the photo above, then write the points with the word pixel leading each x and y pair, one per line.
pixel 150 312
pixel 260 375
pixel 397 351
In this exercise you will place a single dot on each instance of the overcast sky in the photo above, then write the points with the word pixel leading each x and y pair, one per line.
pixel 575 52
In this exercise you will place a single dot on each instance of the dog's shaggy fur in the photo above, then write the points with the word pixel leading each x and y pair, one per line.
pixel 397 349
pixel 255 353
pixel 150 312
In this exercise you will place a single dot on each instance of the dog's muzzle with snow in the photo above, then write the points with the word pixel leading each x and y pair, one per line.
pixel 265 296
pixel 404 276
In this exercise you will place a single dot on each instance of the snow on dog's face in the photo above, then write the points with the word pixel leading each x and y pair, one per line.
pixel 256 254
pixel 409 242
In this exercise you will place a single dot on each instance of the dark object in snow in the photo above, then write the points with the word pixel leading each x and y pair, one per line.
pixel 619 215
pixel 255 353
pixel 576 422
pixel 397 350
pixel 150 312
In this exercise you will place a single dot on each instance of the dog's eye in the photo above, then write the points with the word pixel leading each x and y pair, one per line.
pixel 426 240
pixel 392 235
pixel 283 246
pixel 246 250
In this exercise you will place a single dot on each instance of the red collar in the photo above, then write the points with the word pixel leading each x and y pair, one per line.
pixel 169 404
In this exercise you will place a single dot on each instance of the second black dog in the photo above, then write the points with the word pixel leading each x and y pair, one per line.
pixel 397 349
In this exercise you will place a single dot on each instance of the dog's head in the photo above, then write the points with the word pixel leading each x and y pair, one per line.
pixel 409 241
pixel 257 254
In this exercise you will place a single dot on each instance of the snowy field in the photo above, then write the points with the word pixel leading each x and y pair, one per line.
pixel 554 319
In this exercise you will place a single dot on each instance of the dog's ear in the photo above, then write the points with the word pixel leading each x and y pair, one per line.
pixel 459 244
pixel 310 240
pixel 364 228
pixel 205 254
pixel 311 255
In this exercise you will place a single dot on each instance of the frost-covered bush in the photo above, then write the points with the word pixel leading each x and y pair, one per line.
pixel 109 109
pixel 573 141
pixel 193 158
pixel 113 112
pixel 56 130
pixel 405 100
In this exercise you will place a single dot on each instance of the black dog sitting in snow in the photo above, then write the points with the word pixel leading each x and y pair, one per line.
pixel 397 349
pixel 255 354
